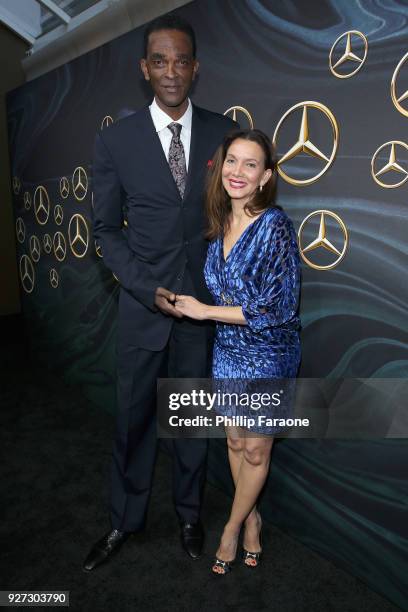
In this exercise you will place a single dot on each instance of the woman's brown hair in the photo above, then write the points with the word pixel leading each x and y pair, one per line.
pixel 218 202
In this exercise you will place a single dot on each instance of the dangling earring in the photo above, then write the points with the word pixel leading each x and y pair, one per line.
pixel 260 186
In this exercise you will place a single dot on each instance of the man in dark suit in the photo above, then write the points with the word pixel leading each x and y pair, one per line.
pixel 151 168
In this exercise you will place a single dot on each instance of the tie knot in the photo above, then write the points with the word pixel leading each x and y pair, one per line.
pixel 175 129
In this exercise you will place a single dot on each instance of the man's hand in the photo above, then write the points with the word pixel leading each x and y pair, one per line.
pixel 164 300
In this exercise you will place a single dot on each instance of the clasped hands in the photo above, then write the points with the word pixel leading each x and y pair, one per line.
pixel 179 305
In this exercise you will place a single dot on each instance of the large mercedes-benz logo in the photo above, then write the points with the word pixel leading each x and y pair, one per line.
pixel 20 229
pixel 321 241
pixel 106 121
pixel 79 183
pixel 397 99
pixel 58 214
pixel 41 205
pixel 27 274
pixel 244 111
pixel 78 235
pixel 348 56
pixel 391 165
pixel 35 249
pixel 47 243
pixel 64 187
pixel 27 200
pixel 54 278
pixel 60 246
pixel 16 185
pixel 304 144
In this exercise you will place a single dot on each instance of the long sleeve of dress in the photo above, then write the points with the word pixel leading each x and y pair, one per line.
pixel 273 296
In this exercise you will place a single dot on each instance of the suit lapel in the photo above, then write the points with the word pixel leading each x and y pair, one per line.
pixel 197 154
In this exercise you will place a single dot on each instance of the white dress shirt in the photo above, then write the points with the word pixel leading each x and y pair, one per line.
pixel 161 120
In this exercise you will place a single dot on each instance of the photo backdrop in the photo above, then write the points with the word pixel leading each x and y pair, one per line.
pixel 345 499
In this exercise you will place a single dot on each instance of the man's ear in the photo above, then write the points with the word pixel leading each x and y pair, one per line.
pixel 145 70
pixel 195 69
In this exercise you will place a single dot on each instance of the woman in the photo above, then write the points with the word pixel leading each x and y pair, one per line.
pixel 253 273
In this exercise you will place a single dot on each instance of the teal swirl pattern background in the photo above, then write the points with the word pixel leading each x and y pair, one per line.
pixel 346 499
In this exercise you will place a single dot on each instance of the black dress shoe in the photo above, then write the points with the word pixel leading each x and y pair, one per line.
pixel 105 548
pixel 192 539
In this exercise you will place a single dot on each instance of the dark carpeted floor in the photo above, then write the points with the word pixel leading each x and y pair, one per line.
pixel 56 454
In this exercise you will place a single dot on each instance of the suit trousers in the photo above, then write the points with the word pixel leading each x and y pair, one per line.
pixel 186 355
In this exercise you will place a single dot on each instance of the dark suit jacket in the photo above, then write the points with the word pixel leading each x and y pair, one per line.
pixel 164 235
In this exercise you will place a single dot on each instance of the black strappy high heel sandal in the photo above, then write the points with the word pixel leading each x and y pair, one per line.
pixel 249 556
pixel 224 566
pixel 252 559
pixel 220 567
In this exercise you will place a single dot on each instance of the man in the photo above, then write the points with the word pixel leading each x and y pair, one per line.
pixel 151 167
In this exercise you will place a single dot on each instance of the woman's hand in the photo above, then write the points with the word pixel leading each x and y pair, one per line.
pixel 190 307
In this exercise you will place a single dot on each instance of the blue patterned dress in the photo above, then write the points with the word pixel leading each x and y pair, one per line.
pixel 261 274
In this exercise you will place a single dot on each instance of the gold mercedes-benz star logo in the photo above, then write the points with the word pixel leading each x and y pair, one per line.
pixel 27 274
pixel 348 56
pixel 58 214
pixel 20 229
pixel 391 165
pixel 47 243
pixel 16 185
pixel 397 99
pixel 321 241
pixel 54 279
pixel 41 205
pixel 35 249
pixel 79 183
pixel 27 200
pixel 304 144
pixel 78 235
pixel 106 121
pixel 60 246
pixel 244 111
pixel 64 187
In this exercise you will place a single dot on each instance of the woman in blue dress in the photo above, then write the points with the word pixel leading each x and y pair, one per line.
pixel 253 273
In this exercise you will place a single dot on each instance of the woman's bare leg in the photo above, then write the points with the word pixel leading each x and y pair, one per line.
pixel 236 443
pixel 250 481
pixel 253 525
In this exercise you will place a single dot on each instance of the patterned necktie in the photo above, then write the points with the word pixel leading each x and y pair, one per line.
pixel 177 159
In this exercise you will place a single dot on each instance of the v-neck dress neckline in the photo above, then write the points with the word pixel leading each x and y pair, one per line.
pixel 227 258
